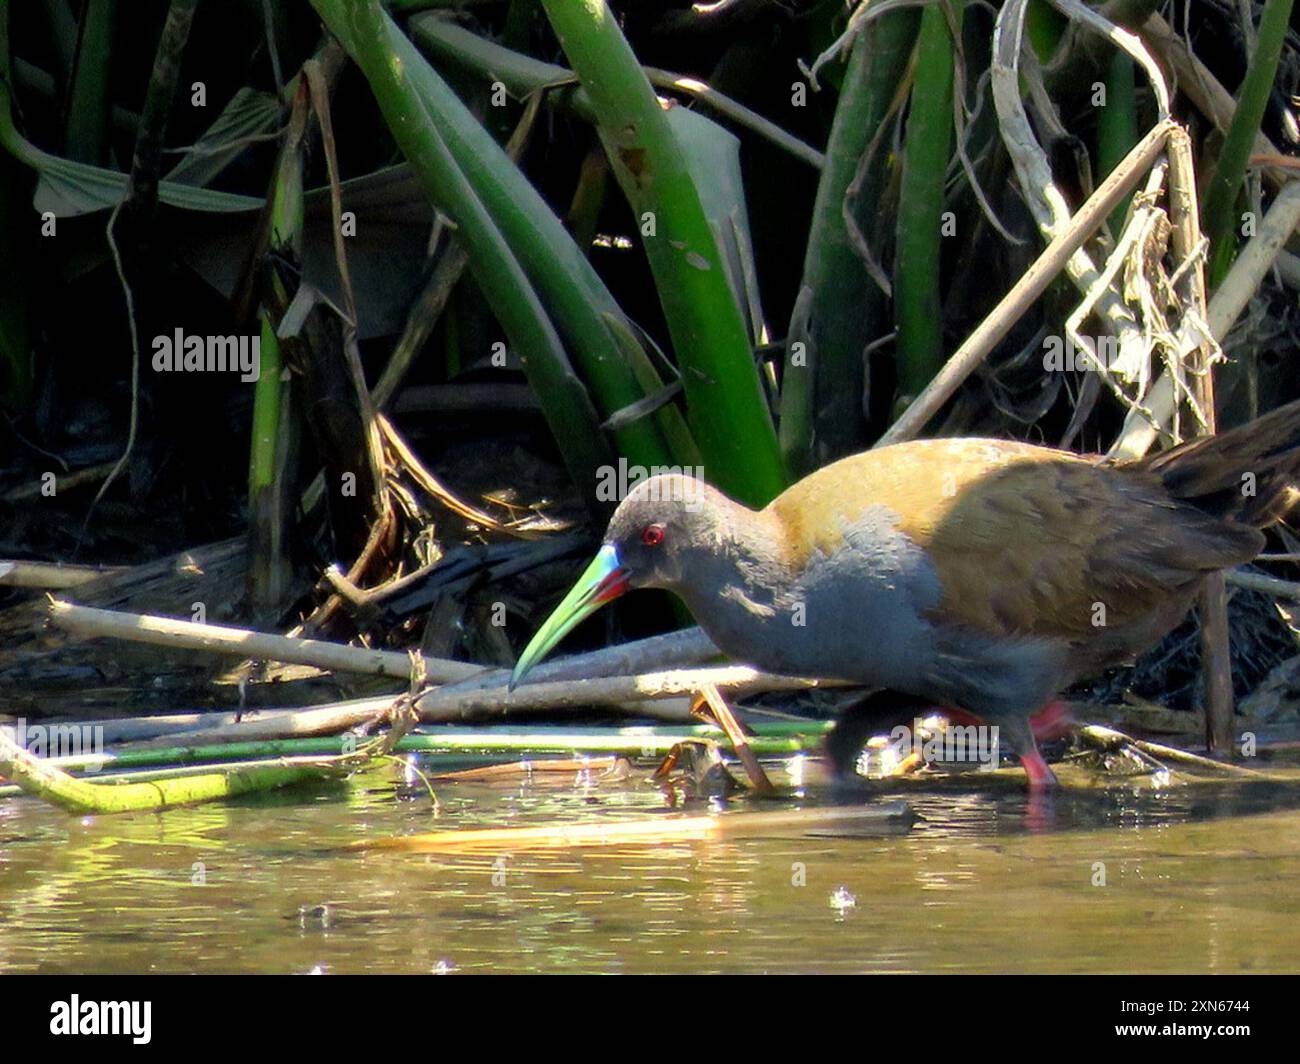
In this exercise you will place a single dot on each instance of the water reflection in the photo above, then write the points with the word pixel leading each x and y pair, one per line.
pixel 987 878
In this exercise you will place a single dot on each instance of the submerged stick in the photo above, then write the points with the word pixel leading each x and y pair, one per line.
pixel 44 779
pixel 644 832
pixel 771 740
pixel 525 770
pixel 74 795
pixel 591 768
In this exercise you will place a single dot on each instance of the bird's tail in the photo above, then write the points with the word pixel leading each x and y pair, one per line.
pixel 1249 474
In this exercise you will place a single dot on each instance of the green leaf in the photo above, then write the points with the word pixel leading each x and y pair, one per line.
pixel 250 113
pixel 726 408
pixel 713 157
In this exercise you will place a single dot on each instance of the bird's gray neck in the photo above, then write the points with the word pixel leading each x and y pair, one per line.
pixel 739 586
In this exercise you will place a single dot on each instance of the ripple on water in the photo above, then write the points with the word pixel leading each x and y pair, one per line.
pixel 1190 878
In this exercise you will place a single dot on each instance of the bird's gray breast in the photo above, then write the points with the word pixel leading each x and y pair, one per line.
pixel 852 613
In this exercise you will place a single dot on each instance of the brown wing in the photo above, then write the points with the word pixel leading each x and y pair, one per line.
pixel 1026 540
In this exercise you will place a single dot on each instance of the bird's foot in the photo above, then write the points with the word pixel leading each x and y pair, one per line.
pixel 1041 776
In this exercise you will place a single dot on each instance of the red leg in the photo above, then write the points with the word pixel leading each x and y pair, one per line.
pixel 1053 721
pixel 1041 776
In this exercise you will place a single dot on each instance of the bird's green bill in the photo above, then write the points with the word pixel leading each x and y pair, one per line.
pixel 603 581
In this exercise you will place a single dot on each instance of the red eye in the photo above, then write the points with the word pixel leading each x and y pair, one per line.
pixel 652 535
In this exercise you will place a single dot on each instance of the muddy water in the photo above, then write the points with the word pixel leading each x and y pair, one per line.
pixel 1191 878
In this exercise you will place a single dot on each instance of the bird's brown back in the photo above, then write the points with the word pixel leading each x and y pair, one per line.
pixel 1026 541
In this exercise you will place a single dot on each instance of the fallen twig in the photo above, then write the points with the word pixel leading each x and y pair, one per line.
pixel 1269 585
pixel 446 704
pixel 1110 739
pixel 222 639
pixel 711 697
pixel 54 576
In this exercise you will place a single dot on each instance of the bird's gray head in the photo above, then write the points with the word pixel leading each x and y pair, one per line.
pixel 662 524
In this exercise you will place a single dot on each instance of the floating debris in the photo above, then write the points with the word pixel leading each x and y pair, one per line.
pixel 648 831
